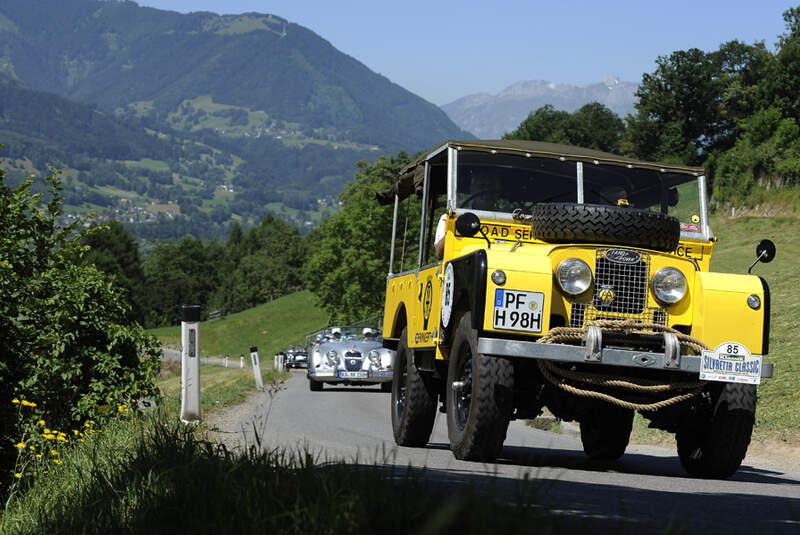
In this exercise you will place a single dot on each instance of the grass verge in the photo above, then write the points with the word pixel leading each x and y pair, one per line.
pixel 220 387
pixel 151 474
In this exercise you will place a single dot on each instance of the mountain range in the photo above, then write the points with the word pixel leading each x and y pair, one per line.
pixel 186 123
pixel 193 121
pixel 490 116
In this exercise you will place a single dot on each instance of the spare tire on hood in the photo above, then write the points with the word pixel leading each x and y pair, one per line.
pixel 597 223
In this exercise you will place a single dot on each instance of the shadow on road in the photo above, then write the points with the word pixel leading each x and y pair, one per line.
pixel 630 463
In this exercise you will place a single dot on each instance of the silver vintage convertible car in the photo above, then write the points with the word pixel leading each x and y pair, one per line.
pixel 351 356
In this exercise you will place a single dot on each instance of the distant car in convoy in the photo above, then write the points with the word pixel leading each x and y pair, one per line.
pixel 295 357
pixel 350 355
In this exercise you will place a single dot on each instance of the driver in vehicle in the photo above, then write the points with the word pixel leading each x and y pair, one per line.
pixel 483 192
pixel 368 333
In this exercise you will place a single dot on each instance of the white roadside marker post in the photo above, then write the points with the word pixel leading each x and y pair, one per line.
pixel 190 364
pixel 241 361
pixel 256 367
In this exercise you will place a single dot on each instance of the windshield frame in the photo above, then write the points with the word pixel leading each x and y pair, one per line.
pixel 456 176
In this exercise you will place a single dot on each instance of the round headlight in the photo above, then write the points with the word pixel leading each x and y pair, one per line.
pixel 669 285
pixel 574 276
pixel 375 357
pixel 332 356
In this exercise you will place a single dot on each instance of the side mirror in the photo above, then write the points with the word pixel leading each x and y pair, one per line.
pixel 765 252
pixel 468 224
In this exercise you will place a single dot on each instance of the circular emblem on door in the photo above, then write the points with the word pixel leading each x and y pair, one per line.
pixel 447 294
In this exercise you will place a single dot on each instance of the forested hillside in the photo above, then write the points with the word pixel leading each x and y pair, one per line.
pixel 144 61
pixel 184 124
pixel 161 182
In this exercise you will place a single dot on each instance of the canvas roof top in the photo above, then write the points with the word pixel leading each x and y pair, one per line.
pixel 412 176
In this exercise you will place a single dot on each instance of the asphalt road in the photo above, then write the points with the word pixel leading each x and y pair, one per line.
pixel 644 492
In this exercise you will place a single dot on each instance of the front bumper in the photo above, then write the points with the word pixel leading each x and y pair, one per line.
pixel 593 352
pixel 335 376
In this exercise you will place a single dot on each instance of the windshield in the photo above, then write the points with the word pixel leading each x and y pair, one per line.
pixel 503 183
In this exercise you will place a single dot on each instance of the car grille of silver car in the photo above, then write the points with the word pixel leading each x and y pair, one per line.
pixel 620 290
pixel 352 361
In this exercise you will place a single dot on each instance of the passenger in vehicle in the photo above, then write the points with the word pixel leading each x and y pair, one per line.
pixel 483 192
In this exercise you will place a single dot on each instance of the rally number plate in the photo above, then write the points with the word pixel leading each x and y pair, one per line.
pixel 731 362
pixel 518 310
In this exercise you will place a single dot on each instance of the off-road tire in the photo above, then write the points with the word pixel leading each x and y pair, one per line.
pixel 713 446
pixel 413 399
pixel 597 223
pixel 477 435
pixel 315 386
pixel 606 431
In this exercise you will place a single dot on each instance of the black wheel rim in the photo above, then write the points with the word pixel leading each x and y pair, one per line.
pixel 463 395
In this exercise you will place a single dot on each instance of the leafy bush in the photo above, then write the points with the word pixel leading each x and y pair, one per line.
pixel 766 154
pixel 66 345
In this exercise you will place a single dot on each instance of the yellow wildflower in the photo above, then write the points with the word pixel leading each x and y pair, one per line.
pixel 46 430
pixel 39 455
pixel 40 422
pixel 20 445
pixel 28 403
pixel 86 425
pixel 53 453
pixel 18 475
pixel 32 448
pixel 15 401
pixel 49 436
pixel 56 461
pixel 91 422
pixel 62 438
pixel 75 432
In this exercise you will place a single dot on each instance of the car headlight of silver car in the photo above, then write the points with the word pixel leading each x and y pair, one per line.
pixel 669 285
pixel 375 358
pixel 574 276
pixel 332 357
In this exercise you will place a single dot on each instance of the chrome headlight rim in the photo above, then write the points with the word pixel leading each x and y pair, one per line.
pixel 669 285
pixel 574 276
pixel 374 357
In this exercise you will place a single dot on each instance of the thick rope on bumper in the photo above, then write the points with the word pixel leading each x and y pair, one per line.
pixel 557 375
pixel 629 326
pixel 543 367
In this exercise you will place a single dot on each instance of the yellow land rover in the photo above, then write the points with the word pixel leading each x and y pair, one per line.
pixel 555 276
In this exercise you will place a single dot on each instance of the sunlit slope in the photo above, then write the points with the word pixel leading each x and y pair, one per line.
pixel 779 399
pixel 271 327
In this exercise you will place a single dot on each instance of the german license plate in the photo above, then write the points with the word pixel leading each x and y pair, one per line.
pixel 518 310
pixel 353 375
pixel 731 362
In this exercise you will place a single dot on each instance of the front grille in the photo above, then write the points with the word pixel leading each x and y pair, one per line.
pixel 620 290
pixel 352 361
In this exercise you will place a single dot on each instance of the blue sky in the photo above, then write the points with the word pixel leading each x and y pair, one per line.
pixel 445 50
